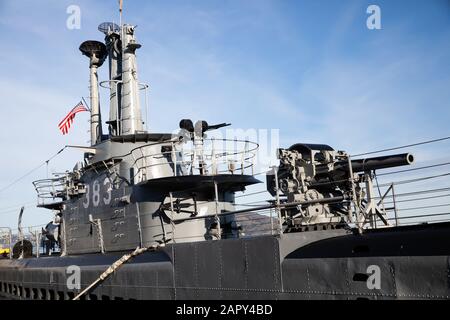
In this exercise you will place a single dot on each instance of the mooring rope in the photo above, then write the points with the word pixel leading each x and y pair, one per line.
pixel 114 267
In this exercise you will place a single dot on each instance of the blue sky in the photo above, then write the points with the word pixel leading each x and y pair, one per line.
pixel 309 68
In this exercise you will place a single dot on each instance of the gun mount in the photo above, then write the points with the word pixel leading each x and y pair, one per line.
pixel 312 174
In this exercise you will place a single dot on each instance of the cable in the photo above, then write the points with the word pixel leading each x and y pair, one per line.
pixel 378 185
pixel 414 169
pixel 251 194
pixel 381 174
pixel 413 193
pixel 13 210
pixel 415 180
pixel 421 216
pixel 401 147
pixel 261 173
pixel 424 222
pixel 384 184
pixel 407 194
pixel 17 206
pixel 31 171
pixel 418 199
pixel 425 207
pixel 28 227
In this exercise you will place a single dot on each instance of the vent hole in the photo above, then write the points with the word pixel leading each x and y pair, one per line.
pixel 360 277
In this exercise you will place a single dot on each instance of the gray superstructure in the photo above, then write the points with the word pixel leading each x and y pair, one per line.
pixel 174 195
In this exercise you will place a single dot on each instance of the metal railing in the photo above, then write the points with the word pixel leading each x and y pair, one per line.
pixel 6 237
pixel 142 87
pixel 49 190
pixel 34 234
pixel 212 157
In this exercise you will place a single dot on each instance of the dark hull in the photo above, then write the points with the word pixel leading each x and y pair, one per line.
pixel 414 263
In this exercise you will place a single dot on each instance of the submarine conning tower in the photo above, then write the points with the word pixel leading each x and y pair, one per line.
pixel 137 188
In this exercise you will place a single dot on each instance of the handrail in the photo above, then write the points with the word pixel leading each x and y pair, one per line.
pixel 209 160
pixel 33 234
pixel 51 188
pixel 142 86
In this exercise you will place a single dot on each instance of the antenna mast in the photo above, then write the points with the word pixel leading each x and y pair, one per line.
pixel 120 12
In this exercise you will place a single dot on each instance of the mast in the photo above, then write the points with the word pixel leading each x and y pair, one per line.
pixel 125 116
pixel 131 119
pixel 114 49
pixel 96 52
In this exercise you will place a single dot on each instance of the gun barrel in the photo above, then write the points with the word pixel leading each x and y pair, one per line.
pixel 368 164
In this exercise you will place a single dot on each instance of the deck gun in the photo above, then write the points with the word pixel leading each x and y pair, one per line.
pixel 332 190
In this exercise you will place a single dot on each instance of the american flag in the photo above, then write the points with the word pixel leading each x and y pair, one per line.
pixel 65 123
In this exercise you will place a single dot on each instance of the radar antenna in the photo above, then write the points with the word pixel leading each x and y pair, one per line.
pixel 108 27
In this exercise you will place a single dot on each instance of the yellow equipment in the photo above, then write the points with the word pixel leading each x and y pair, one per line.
pixel 4 252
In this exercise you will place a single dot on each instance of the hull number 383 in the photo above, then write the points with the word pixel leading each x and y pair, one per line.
pixel 97 193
